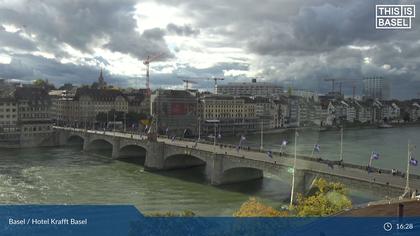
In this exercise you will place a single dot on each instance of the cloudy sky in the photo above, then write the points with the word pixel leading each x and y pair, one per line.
pixel 294 42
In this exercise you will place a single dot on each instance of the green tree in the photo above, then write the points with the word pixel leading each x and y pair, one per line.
pixel 94 85
pixel 66 86
pixel 43 84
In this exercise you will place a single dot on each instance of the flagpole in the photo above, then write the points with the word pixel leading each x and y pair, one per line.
pixel 262 136
pixel 341 145
pixel 407 184
pixel 293 174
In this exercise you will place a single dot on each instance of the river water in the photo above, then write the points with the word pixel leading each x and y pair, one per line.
pixel 67 175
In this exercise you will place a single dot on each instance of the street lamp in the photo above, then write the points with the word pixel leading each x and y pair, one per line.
pixel 199 128
pixel 262 135
pixel 214 122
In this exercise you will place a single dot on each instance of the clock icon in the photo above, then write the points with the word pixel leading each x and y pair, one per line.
pixel 387 226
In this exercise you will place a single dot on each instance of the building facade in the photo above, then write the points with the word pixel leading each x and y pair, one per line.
pixel 175 111
pixel 254 88
pixel 376 88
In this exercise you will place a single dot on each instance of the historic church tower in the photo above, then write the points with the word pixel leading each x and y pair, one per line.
pixel 101 81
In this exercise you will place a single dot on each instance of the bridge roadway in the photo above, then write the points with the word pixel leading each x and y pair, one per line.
pixel 307 168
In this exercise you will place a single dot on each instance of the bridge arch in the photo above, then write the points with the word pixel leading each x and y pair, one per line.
pixel 240 174
pixel 102 145
pixel 183 160
pixel 75 138
pixel 133 153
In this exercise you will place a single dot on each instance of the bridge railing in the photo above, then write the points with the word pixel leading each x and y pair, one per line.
pixel 275 153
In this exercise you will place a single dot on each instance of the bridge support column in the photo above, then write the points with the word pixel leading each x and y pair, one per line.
pixel 214 169
pixel 303 182
pixel 155 156
pixel 61 138
pixel 86 144
pixel 116 148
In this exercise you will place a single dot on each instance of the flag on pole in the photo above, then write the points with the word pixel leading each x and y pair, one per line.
pixel 317 147
pixel 270 154
pixel 374 156
pixel 241 140
pixel 413 161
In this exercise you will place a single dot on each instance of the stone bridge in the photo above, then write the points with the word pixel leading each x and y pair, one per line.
pixel 225 165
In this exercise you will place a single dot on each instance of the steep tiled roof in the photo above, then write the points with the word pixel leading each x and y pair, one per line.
pixel 98 94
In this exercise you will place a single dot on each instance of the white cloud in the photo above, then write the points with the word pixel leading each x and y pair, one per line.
pixel 5 59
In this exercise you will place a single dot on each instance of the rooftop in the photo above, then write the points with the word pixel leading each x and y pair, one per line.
pixel 411 208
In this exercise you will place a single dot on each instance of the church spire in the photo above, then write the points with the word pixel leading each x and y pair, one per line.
pixel 101 81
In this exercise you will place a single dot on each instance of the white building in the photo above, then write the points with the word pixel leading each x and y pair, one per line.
pixel 254 88
pixel 8 115
pixel 376 88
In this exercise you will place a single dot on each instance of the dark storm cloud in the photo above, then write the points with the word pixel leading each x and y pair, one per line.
pixel 308 41
pixel 185 30
pixel 25 67
pixel 305 41
pixel 16 41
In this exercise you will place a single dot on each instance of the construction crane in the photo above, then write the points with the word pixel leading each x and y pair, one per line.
pixel 147 64
pixel 332 84
pixel 341 81
pixel 215 82
pixel 188 82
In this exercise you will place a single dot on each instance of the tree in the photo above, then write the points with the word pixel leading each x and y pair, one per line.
pixel 406 116
pixel 94 85
pixel 43 84
pixel 329 198
pixel 254 208
pixel 66 86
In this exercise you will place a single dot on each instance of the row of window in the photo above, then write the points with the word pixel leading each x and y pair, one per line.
pixel 7 104
pixel 7 116
pixel 37 128
pixel 36 115
pixel 33 108
pixel 7 110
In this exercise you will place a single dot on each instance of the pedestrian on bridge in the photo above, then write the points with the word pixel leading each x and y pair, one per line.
pixel 283 146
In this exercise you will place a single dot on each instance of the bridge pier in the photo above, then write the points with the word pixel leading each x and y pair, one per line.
pixel 86 144
pixel 155 156
pixel 300 183
pixel 218 175
pixel 115 149
pixel 214 169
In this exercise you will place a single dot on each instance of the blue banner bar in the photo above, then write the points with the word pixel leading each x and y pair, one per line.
pixel 127 220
